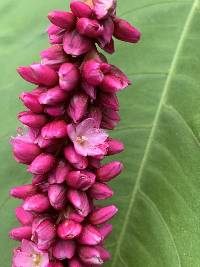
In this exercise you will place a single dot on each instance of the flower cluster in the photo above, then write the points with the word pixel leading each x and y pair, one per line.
pixel 64 139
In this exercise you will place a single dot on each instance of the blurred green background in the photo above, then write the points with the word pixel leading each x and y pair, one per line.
pixel 158 221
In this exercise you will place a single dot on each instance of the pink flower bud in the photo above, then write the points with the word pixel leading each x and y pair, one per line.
pixel 114 81
pixel 103 8
pixel 81 180
pixel 53 96
pixel 124 31
pixel 109 171
pixel 38 179
pixel 64 249
pixel 94 163
pixel 54 129
pixel 109 124
pixel 55 111
pixel 23 191
pixel 89 27
pixel 80 9
pixel 90 255
pixel 105 230
pixel 92 73
pixel 115 146
pixel 36 203
pixel 42 164
pixel 57 196
pixel 38 91
pixel 27 134
pixel 76 44
pixel 94 54
pixel 56 34
pixel 31 119
pixel 109 100
pixel 69 229
pixel 69 76
pixel 105 67
pixel 24 217
pixel 105 255
pixel 38 74
pixel 75 262
pixel 109 48
pixel 100 191
pixel 79 162
pixel 106 36
pixel 31 102
pixel 44 233
pixel 96 114
pixel 62 19
pixel 102 215
pixel 101 157
pixel 89 89
pixel 78 106
pixel 46 143
pixel 90 235
pixel 80 201
pixel 43 187
pixel 23 151
pixel 59 174
pixel 72 214
pixel 110 119
pixel 19 233
pixel 53 56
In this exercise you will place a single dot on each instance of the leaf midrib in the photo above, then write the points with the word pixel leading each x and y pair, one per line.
pixel 153 130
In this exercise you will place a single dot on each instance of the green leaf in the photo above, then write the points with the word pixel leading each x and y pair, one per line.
pixel 158 193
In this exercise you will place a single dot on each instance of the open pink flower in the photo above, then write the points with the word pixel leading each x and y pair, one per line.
pixel 103 8
pixel 88 139
pixel 29 256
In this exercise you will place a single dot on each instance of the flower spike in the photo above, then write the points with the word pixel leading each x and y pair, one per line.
pixel 66 119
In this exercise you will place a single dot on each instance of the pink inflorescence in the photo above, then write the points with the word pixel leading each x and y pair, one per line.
pixel 64 139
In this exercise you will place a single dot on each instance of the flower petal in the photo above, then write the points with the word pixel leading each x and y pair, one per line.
pixel 104 7
pixel 97 150
pixel 44 260
pixel 71 132
pixel 81 149
pixel 85 125
pixel 22 259
pixel 27 247
pixel 96 136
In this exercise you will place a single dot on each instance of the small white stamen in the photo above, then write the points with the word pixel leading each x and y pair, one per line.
pixel 81 139
pixel 20 131
pixel 36 260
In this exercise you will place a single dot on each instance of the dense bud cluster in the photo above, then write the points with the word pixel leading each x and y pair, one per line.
pixel 64 139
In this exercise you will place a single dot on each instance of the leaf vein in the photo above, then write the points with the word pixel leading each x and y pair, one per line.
pixel 122 260
pixel 151 5
pixel 155 209
pixel 173 109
